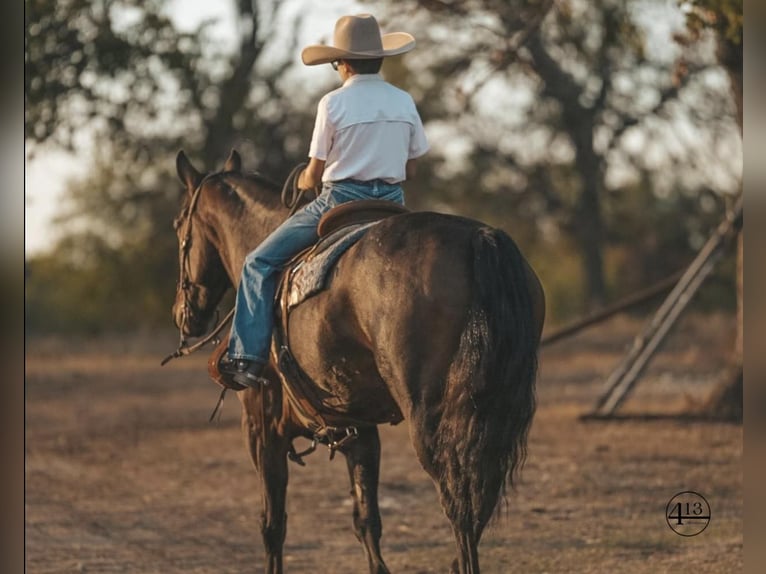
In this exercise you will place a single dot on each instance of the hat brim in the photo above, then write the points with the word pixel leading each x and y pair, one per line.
pixel 393 44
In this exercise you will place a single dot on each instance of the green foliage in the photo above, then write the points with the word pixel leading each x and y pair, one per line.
pixel 115 266
pixel 725 17
pixel 95 63
pixel 141 90
pixel 646 249
pixel 114 290
pixel 540 166
pixel 535 165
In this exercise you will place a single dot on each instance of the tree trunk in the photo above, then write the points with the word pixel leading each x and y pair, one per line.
pixel 235 88
pixel 580 122
pixel 589 221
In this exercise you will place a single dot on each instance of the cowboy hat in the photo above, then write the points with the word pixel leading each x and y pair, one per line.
pixel 358 37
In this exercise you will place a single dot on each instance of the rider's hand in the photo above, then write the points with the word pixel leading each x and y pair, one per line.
pixel 311 177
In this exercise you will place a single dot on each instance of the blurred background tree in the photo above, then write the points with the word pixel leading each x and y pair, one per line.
pixel 123 77
pixel 607 156
pixel 577 135
pixel 724 20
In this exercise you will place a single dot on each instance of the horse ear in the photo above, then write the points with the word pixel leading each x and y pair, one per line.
pixel 186 171
pixel 233 162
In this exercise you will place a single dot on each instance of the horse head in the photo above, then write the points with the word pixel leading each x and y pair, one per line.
pixel 203 278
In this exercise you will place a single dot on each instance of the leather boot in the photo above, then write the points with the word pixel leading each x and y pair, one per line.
pixel 223 378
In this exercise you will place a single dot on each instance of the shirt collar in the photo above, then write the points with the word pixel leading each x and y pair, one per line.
pixel 356 78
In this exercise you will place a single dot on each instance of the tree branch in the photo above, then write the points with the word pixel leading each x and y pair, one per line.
pixel 557 83
pixel 666 95
pixel 515 39
pixel 234 89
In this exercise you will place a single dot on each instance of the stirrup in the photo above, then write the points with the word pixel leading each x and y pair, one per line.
pixel 214 368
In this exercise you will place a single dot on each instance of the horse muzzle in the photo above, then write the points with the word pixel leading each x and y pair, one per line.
pixel 188 320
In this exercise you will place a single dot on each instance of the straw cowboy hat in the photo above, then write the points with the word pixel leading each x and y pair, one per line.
pixel 358 37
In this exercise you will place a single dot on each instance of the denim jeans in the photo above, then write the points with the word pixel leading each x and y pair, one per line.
pixel 254 309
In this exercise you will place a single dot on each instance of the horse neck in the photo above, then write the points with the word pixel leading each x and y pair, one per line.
pixel 236 237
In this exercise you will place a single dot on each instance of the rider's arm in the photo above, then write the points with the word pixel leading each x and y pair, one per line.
pixel 311 177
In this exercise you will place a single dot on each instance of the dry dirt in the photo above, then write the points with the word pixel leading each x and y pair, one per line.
pixel 124 473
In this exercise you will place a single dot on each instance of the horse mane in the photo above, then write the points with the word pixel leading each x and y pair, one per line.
pixel 262 179
pixel 253 186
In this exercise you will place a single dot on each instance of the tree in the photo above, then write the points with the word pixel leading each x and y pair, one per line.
pixel 548 95
pixel 120 71
pixel 530 105
pixel 138 89
pixel 724 19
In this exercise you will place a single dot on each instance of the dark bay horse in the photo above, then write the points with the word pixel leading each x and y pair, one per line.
pixel 432 317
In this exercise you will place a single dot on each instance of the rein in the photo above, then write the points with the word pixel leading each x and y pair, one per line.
pixel 291 195
pixel 291 198
pixel 184 350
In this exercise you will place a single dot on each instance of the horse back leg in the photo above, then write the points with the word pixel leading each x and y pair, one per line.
pixel 363 461
pixel 268 451
pixel 443 432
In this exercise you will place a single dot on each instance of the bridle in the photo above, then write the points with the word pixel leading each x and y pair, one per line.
pixel 291 198
pixel 185 284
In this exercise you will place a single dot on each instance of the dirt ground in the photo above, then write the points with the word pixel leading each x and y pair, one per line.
pixel 125 474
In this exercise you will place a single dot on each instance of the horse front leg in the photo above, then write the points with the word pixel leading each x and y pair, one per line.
pixel 274 517
pixel 268 450
pixel 363 461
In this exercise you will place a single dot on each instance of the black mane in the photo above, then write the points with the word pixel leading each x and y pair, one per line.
pixel 263 180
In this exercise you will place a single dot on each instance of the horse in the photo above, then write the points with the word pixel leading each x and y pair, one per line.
pixel 430 318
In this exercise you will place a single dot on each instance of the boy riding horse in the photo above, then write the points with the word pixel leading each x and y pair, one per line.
pixel 367 137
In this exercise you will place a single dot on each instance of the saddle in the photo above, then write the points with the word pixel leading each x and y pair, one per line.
pixel 357 212
pixel 305 276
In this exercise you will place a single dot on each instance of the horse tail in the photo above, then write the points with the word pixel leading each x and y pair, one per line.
pixel 490 395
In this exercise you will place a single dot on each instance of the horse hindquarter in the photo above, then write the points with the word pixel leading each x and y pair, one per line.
pixel 438 318
pixel 456 341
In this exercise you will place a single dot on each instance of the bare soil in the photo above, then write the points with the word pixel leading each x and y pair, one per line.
pixel 125 474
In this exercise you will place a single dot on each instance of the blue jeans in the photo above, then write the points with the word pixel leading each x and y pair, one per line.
pixel 254 309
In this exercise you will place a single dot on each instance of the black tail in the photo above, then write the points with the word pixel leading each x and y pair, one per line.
pixel 490 398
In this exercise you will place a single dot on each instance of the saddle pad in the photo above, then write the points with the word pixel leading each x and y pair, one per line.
pixel 309 275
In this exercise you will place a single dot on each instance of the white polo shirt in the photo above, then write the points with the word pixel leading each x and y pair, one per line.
pixel 367 129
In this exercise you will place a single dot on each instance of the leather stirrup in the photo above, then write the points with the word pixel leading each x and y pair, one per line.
pixel 214 367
